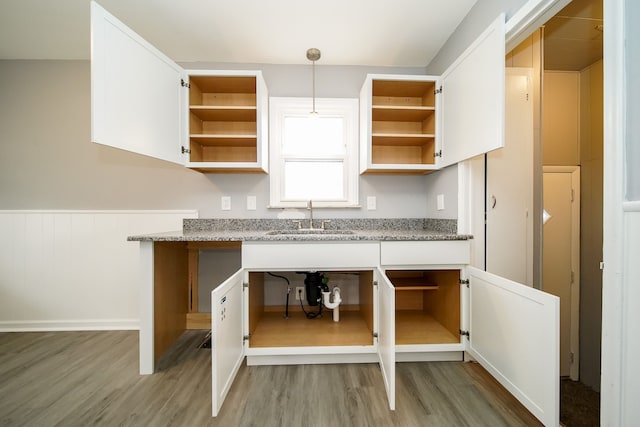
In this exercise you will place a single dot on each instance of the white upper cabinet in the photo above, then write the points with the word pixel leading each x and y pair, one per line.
pixel 135 91
pixel 142 101
pixel 416 124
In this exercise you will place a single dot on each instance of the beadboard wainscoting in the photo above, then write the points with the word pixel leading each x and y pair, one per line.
pixel 74 270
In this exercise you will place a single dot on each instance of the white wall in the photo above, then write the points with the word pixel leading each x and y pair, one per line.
pixel 74 270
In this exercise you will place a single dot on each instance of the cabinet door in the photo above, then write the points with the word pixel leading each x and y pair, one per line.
pixel 135 91
pixel 472 99
pixel 227 343
pixel 514 334
pixel 387 334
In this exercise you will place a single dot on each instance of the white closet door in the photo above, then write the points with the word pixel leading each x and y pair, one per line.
pixel 509 215
pixel 472 99
pixel 135 91
pixel 514 334
pixel 227 344
pixel 387 334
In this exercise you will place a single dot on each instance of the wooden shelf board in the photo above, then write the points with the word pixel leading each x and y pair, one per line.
pixel 225 169
pixel 401 138
pixel 273 330
pixel 418 327
pixel 398 88
pixel 391 171
pixel 417 287
pixel 198 320
pixel 224 140
pixel 413 284
pixel 400 113
pixel 225 84
pixel 224 113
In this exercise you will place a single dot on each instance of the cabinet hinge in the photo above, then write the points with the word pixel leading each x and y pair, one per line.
pixel 437 91
pixel 245 285
pixel 184 84
pixel 573 195
pixel 245 338
pixel 375 283
pixel 465 333
pixel 375 335
pixel 573 277
pixel 464 282
pixel 437 153
pixel 185 150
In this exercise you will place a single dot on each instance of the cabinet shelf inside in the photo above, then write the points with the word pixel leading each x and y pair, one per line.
pixel 273 330
pixel 401 139
pixel 401 113
pixel 224 140
pixel 414 284
pixel 418 327
pixel 224 113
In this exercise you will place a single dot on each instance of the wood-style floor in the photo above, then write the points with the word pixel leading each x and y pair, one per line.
pixel 91 378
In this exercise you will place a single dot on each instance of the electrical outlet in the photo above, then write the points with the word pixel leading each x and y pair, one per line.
pixel 251 203
pixel 300 293
pixel 225 203
pixel 371 203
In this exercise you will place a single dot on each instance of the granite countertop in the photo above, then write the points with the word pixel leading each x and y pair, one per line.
pixel 222 230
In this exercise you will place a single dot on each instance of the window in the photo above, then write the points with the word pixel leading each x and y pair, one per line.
pixel 313 156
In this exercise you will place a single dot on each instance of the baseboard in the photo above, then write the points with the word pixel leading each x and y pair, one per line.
pixel 69 325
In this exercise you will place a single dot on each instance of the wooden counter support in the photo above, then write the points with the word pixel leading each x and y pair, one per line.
pixel 170 272
pixel 169 295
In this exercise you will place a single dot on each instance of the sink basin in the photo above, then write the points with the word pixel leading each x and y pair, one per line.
pixel 303 231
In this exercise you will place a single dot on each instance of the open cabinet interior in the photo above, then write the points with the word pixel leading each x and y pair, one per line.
pixel 403 122
pixel 223 119
pixel 427 306
pixel 269 327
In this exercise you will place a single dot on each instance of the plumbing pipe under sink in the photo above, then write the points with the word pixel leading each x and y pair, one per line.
pixel 335 305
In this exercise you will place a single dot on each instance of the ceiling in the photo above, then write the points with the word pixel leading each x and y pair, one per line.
pixel 353 32
pixel 573 37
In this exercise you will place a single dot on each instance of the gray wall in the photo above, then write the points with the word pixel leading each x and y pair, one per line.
pixel 48 161
pixel 478 18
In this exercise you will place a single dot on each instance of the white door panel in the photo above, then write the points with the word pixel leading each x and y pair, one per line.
pixel 514 334
pixel 387 334
pixel 509 218
pixel 472 100
pixel 135 91
pixel 227 346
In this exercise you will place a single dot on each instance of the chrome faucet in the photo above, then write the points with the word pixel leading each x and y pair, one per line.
pixel 310 208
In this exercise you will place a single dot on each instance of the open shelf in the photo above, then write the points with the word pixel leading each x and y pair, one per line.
pixel 273 330
pixel 403 125
pixel 269 328
pixel 427 306
pixel 418 327
pixel 223 119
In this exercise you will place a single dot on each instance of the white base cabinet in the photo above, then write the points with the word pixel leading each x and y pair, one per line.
pixel 511 329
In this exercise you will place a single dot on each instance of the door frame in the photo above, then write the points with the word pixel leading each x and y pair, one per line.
pixel 575 264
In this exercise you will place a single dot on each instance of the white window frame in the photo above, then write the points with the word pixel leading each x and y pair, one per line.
pixel 281 107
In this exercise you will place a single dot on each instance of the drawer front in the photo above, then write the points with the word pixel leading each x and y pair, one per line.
pixel 424 253
pixel 310 256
